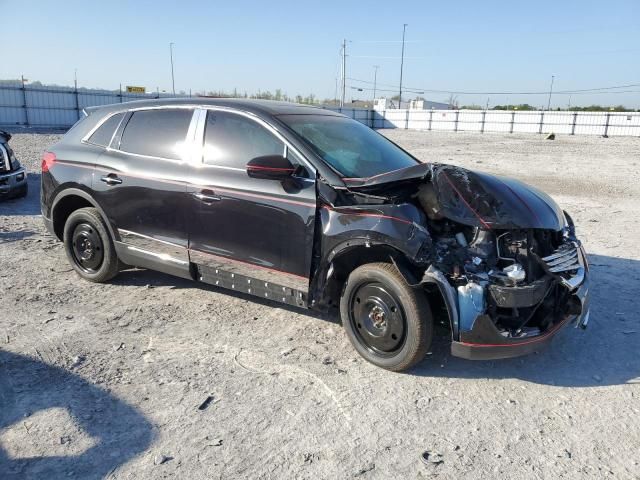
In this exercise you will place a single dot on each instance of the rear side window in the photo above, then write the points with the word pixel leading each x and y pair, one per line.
pixel 102 136
pixel 157 133
pixel 232 140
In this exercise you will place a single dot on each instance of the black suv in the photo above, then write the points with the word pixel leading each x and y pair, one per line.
pixel 305 206
pixel 13 177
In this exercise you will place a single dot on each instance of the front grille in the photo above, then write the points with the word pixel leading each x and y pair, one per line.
pixel 567 263
pixel 564 259
pixel 5 164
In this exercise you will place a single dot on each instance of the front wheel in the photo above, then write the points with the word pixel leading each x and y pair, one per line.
pixel 89 247
pixel 388 322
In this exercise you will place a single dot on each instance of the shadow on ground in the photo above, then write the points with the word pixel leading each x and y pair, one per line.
pixel 118 430
pixel 30 205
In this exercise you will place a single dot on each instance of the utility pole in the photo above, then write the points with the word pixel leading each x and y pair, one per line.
pixel 550 92
pixel 375 79
pixel 173 83
pixel 344 70
pixel 404 29
pixel 75 78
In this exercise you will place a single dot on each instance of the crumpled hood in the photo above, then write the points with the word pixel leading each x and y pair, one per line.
pixel 491 201
pixel 474 198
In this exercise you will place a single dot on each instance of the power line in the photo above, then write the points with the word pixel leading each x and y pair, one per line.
pixel 404 89
pixel 457 92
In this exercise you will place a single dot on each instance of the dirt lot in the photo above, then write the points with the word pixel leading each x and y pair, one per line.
pixel 107 380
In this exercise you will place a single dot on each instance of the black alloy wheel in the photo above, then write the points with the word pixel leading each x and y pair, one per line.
pixel 387 321
pixel 88 251
pixel 89 246
pixel 377 318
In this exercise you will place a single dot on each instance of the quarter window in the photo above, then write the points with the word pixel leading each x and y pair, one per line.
pixel 232 140
pixel 158 133
pixel 102 136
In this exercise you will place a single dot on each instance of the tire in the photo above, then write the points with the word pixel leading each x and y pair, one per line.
pixel 388 322
pixel 89 246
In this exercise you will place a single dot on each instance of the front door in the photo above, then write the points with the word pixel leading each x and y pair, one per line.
pixel 245 230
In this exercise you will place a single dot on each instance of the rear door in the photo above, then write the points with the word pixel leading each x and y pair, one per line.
pixel 252 228
pixel 140 183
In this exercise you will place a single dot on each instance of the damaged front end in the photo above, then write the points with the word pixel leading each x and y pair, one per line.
pixel 507 292
pixel 504 257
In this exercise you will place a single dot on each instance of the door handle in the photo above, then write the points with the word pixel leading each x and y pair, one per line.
pixel 111 179
pixel 206 196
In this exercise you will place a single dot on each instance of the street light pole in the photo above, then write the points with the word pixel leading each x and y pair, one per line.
pixel 344 70
pixel 173 83
pixel 550 92
pixel 375 79
pixel 404 29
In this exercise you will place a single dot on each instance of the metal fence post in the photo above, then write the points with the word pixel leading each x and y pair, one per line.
pixel 384 119
pixel 455 125
pixel 430 118
pixel 406 120
pixel 513 118
pixel 353 114
pixel 120 94
pixel 573 125
pixel 484 115
pixel 606 126
pixel 24 103
pixel 541 122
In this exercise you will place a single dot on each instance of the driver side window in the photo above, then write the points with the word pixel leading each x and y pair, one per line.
pixel 232 140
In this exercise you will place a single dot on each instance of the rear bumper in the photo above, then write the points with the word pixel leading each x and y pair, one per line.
pixel 484 341
pixel 12 183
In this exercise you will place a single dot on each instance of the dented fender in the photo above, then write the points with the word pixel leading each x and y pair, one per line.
pixel 395 227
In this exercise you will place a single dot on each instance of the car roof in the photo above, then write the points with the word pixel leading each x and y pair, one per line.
pixel 264 107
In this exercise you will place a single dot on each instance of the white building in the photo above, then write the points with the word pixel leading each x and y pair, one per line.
pixel 388 104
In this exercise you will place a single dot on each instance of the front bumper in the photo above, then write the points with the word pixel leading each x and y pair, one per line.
pixel 12 183
pixel 484 341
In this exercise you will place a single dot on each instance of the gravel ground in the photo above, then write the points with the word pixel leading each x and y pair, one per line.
pixel 151 376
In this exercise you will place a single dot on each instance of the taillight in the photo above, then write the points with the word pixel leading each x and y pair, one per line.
pixel 48 159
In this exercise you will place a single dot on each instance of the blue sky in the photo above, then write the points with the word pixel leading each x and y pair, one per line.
pixel 489 46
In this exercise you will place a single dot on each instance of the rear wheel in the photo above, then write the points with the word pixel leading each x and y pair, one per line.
pixel 388 322
pixel 89 247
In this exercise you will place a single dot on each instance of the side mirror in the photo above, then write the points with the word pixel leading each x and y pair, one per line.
pixel 270 167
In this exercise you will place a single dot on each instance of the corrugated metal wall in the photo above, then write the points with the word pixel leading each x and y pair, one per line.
pixel 60 107
pixel 54 107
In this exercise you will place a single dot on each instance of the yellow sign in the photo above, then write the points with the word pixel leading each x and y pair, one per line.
pixel 132 89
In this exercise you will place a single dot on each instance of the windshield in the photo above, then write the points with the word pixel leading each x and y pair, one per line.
pixel 351 148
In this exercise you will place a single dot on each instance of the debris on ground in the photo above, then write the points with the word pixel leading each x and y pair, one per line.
pixel 431 458
pixel 206 403
pixel 161 459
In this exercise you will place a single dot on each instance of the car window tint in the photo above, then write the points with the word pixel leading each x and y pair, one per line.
pixel 157 133
pixel 351 148
pixel 104 133
pixel 232 140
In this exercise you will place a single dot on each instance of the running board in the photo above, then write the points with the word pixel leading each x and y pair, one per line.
pixel 251 286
